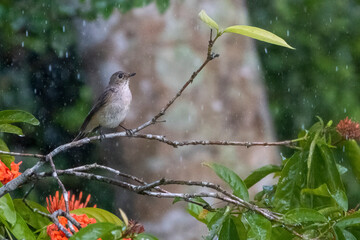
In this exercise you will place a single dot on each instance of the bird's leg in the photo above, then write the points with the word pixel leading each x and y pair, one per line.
pixel 129 132
pixel 102 136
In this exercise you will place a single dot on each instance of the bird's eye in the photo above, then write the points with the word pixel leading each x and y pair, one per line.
pixel 121 75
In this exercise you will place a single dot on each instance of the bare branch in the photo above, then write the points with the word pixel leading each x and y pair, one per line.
pixel 64 191
pixel 22 154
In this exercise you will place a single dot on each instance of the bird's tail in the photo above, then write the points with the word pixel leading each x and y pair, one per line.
pixel 79 136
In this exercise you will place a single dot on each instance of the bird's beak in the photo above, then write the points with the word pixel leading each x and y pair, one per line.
pixel 131 74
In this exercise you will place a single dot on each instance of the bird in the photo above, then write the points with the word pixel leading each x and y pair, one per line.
pixel 111 107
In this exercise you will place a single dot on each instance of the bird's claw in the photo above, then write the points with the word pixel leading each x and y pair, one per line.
pixel 129 132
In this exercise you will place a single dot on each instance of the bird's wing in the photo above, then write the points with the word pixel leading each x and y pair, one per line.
pixel 102 100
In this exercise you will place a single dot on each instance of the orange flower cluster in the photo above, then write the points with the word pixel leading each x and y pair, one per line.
pixel 6 174
pixel 55 234
pixel 55 203
pixel 348 129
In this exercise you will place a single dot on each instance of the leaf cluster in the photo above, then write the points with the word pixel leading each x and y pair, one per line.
pixel 309 197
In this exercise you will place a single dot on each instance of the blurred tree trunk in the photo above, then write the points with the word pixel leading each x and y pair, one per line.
pixel 226 102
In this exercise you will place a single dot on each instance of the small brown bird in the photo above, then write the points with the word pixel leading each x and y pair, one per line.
pixel 111 107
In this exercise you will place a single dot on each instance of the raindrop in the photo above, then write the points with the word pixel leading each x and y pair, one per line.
pixel 330 20
pixel 344 110
pixel 66 54
pixel 22 11
pixel 27 33
pixel 336 68
pixel 343 148
pixel 288 89
pixel 270 22
pixel 63 28
pixel 35 90
pixel 43 30
pixel 46 21
pixel 50 68
pixel 84 23
pixel 288 33
pixel 302 126
pixel 202 107
pixel 282 156
pixel 266 51
pixel 78 76
pixel 22 43
pixel 347 67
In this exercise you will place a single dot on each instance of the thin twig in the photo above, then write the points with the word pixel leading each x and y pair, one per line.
pixel 22 154
pixel 65 193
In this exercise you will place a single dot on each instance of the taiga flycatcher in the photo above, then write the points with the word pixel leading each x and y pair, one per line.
pixel 111 107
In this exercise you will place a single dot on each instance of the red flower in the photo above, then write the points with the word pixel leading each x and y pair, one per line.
pixel 56 203
pixel 6 174
pixel 348 129
pixel 56 234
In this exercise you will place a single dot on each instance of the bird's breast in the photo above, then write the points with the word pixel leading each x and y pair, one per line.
pixel 115 112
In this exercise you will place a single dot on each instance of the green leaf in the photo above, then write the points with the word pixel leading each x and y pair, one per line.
pixel 6 159
pixel 342 170
pixel 352 220
pixel 228 230
pixel 209 21
pixel 177 199
pixel 303 215
pixel 20 229
pixel 217 222
pixel 241 230
pixel 352 151
pixel 200 213
pixel 339 234
pixel 259 34
pixel 330 175
pixel 291 182
pixel 33 219
pixel 43 235
pixel 322 191
pixel 7 209
pixel 162 5
pixel 100 215
pixel 145 236
pixel 260 173
pixel 8 128
pixel 260 227
pixel 231 178
pixel 94 231
pixel 12 116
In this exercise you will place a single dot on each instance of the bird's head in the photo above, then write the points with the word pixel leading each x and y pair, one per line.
pixel 120 77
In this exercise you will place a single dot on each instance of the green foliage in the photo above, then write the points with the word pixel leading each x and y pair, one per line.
pixel 253 32
pixel 309 198
pixel 32 218
pixel 260 173
pixel 100 215
pixel 6 118
pixel 6 159
pixel 95 231
pixel 7 209
pixel 231 178
pixel 259 34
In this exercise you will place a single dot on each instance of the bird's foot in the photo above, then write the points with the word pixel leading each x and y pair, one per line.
pixel 102 136
pixel 129 132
